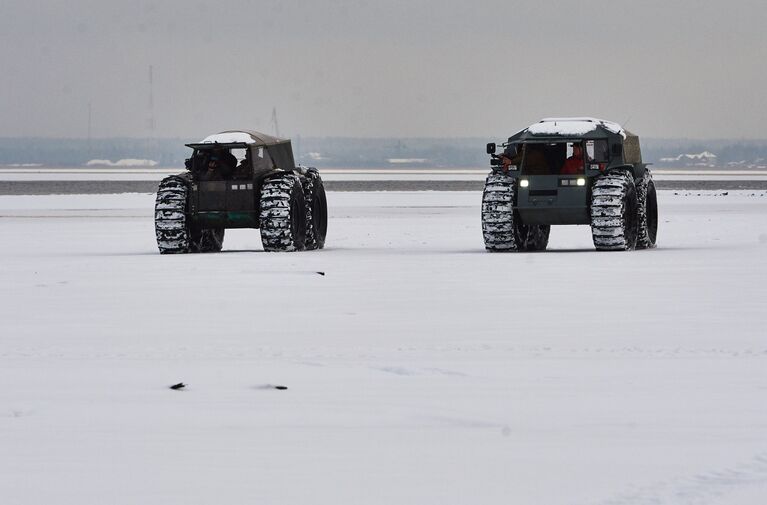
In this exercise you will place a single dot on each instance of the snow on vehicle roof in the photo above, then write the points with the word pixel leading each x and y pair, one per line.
pixel 573 126
pixel 242 137
pixel 229 138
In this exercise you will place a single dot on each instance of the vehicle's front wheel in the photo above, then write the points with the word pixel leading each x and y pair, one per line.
pixel 283 214
pixel 614 216
pixel 171 221
pixel 210 240
pixel 502 227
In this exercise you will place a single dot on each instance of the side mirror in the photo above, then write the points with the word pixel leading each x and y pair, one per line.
pixel 491 148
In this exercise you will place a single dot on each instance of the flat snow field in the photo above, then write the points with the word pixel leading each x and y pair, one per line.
pixel 420 369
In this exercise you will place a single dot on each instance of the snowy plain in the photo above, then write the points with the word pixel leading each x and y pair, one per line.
pixel 420 369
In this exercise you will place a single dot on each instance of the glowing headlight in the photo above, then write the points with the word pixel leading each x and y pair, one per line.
pixel 523 183
pixel 581 181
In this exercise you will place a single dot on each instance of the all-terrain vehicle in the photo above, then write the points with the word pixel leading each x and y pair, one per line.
pixel 569 171
pixel 241 179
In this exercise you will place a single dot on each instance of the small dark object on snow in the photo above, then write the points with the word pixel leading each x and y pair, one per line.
pixel 321 273
pixel 280 387
pixel 178 386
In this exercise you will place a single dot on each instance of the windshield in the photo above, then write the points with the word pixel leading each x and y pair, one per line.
pixel 561 158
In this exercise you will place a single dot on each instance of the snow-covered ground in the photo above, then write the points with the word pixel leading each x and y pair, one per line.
pixel 419 368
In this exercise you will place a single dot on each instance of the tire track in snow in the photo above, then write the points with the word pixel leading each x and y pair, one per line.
pixel 317 356
pixel 698 489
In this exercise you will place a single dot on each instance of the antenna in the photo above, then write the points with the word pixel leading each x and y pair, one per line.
pixel 151 101
pixel 274 123
pixel 90 124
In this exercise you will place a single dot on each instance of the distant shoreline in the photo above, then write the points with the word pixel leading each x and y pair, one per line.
pixel 116 187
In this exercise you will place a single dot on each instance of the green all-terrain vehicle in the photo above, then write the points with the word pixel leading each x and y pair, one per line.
pixel 241 179
pixel 569 171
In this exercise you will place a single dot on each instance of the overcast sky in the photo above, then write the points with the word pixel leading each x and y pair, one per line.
pixel 385 68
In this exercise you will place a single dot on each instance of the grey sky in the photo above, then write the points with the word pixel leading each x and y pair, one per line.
pixel 382 68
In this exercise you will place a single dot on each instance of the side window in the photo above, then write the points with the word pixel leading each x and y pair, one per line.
pixel 596 150
pixel 239 154
pixel 262 159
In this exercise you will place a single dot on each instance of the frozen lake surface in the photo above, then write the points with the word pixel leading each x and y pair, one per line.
pixel 419 368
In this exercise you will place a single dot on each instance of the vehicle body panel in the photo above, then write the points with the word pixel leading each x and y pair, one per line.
pixel 553 199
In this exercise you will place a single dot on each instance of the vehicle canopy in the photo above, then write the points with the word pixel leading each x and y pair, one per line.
pixel 621 142
pixel 280 150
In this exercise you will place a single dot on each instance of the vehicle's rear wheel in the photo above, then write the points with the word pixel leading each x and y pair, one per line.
pixel 283 214
pixel 211 240
pixel 316 210
pixel 502 227
pixel 648 212
pixel 537 237
pixel 171 221
pixel 614 216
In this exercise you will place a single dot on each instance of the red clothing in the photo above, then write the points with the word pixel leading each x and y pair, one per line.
pixel 573 165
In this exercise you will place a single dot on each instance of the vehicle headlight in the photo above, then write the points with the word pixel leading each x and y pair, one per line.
pixel 523 183
pixel 581 181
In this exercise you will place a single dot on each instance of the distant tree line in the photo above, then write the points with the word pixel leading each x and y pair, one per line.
pixel 339 152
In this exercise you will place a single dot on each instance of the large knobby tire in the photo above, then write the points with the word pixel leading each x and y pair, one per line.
pixel 316 210
pixel 175 234
pixel 283 214
pixel 614 212
pixel 537 237
pixel 502 227
pixel 648 212
pixel 210 240
pixel 171 221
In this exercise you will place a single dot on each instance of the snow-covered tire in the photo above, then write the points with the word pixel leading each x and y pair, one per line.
pixel 316 210
pixel 502 228
pixel 648 212
pixel 614 212
pixel 282 218
pixel 537 237
pixel 211 240
pixel 171 221
pixel 498 227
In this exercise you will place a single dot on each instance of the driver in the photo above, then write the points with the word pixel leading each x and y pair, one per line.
pixel 221 164
pixel 574 164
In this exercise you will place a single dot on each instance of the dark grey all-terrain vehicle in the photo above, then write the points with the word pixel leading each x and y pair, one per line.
pixel 262 188
pixel 569 171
